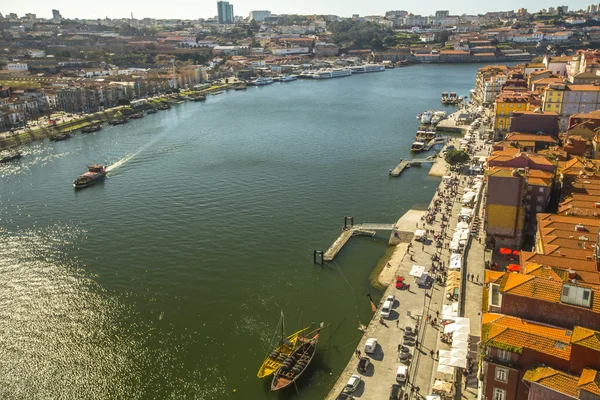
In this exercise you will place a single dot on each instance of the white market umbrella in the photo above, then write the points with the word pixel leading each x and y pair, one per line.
pixel 417 271
pixel 458 362
pixel 459 353
pixel 462 321
pixel 445 353
pixel 447 312
pixel 462 225
pixel 459 344
pixel 456 328
pixel 445 369
pixel 444 361
pixel 460 336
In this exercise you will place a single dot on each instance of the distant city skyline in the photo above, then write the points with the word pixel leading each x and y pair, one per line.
pixel 208 9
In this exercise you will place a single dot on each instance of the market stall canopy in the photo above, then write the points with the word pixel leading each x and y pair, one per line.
pixel 455 261
pixel 433 396
pixel 459 344
pixel 417 271
pixel 445 369
pixel 456 328
pixel 445 353
pixel 448 312
pixel 458 362
pixel 460 353
pixel 442 386
pixel 420 234
pixel 462 225
pixel 461 336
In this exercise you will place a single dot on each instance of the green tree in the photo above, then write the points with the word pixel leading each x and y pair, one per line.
pixel 454 157
pixel 376 44
pixel 389 41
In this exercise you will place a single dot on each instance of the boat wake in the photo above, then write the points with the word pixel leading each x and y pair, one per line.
pixel 121 162
pixel 128 157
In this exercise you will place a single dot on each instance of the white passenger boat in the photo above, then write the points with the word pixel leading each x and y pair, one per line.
pixel 361 69
pixel 263 81
pixel 332 73
pixel 426 117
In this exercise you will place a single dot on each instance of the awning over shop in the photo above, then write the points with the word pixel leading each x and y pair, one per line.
pixel 505 251
pixel 513 268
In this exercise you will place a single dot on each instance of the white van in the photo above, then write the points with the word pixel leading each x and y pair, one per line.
pixel 401 374
pixel 386 309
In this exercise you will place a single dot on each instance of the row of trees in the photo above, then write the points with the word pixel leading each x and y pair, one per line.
pixel 358 34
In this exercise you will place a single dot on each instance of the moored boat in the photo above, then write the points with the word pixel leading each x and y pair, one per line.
pixel 261 81
pixel 417 147
pixel 240 87
pixel 294 366
pixel 91 128
pixel 118 121
pixel 95 173
pixel 60 136
pixel 10 156
pixel 277 355
pixel 164 106
pixel 201 97
pixel 426 117
pixel 136 115
pixel 152 111
pixel 288 78
pixel 444 97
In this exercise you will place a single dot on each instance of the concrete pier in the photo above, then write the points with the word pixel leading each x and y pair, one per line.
pixel 400 168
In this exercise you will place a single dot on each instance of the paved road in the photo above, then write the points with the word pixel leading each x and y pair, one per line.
pixel 412 308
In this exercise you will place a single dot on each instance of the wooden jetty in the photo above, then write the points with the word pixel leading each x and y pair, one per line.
pixel 400 168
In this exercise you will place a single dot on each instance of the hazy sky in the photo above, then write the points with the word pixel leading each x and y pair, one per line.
pixel 193 9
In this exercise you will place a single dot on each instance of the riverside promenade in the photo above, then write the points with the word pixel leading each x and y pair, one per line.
pixel 413 307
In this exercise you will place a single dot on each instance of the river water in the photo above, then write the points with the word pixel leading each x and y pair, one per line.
pixel 167 280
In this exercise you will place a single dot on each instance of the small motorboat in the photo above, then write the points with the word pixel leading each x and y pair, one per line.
pixel 10 156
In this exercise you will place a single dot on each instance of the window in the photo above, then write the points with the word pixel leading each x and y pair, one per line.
pixel 503 355
pixel 529 188
pixel 501 374
pixel 541 190
pixel 499 394
pixel 538 209
pixel 496 298
pixel 540 199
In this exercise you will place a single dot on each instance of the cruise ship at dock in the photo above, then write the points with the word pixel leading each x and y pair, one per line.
pixel 332 73
pixel 361 69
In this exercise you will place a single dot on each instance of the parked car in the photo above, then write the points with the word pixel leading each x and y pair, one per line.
pixel 370 345
pixel 386 309
pixel 353 383
pixel 344 396
pixel 363 364
pixel 399 282
pixel 394 392
pixel 391 298
pixel 401 374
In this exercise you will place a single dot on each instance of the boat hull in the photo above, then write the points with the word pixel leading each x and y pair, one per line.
pixel 302 356
pixel 89 183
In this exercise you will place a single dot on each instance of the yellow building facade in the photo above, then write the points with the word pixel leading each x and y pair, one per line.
pixel 505 105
